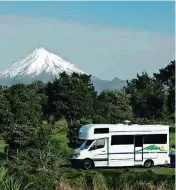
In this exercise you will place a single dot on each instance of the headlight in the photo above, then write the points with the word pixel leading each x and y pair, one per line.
pixel 76 154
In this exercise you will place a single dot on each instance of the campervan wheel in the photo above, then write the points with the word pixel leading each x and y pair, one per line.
pixel 88 164
pixel 148 163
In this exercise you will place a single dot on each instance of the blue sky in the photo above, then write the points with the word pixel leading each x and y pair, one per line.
pixel 150 15
pixel 89 34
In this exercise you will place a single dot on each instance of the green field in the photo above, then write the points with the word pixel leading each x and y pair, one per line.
pixel 155 169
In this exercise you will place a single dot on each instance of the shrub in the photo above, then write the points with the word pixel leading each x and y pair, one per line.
pixel 60 126
pixel 11 182
pixel 24 136
pixel 42 167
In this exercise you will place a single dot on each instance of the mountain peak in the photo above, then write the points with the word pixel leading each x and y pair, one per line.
pixel 38 62
pixel 115 79
pixel 40 50
pixel 45 66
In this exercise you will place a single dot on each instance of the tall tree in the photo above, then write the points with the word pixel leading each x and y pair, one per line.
pixel 72 96
pixel 166 77
pixel 25 104
pixel 113 107
pixel 147 96
pixel 20 114
pixel 6 116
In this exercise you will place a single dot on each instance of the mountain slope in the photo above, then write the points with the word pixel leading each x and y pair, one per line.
pixel 38 62
pixel 45 66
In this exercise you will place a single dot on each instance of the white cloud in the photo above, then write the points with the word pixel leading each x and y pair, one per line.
pixel 104 51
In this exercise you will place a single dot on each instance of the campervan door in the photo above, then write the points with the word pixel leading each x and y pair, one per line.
pixel 99 152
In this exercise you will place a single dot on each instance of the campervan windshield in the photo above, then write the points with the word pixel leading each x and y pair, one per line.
pixel 86 144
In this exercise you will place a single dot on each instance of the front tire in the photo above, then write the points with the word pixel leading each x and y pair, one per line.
pixel 88 164
pixel 148 164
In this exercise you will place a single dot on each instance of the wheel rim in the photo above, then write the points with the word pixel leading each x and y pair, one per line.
pixel 87 165
pixel 148 164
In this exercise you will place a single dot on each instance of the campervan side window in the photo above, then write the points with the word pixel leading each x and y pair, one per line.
pixel 155 139
pixel 101 130
pixel 121 139
pixel 99 143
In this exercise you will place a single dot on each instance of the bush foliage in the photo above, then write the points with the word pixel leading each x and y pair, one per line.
pixel 31 114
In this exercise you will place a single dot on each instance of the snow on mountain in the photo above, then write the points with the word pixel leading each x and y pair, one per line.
pixel 38 62
pixel 42 65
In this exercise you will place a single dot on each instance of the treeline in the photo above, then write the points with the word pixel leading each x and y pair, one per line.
pixel 24 108
pixel 29 115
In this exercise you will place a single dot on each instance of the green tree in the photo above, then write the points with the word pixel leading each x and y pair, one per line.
pixel 148 96
pixel 39 88
pixel 25 104
pixel 112 107
pixel 72 96
pixel 166 77
pixel 6 116
pixel 23 136
pixel 21 115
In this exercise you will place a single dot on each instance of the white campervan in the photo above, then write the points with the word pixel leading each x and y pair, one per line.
pixel 118 145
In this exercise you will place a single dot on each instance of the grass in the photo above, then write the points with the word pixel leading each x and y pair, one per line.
pixel 2 145
pixel 156 169
pixel 163 170
pixel 116 178
pixel 172 139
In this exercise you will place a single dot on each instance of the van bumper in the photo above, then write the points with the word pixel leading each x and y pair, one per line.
pixel 76 162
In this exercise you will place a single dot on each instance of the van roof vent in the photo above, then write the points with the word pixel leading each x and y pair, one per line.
pixel 127 122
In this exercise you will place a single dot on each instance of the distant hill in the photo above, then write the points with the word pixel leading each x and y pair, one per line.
pixel 100 85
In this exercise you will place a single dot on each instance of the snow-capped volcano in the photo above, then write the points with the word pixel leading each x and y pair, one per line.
pixel 44 66
pixel 40 62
